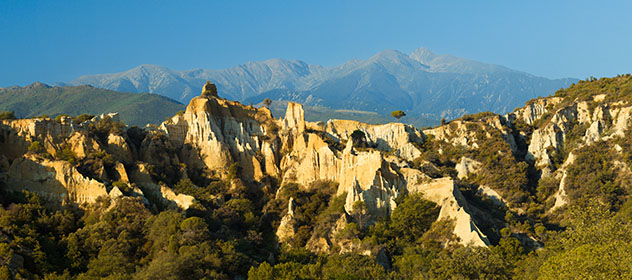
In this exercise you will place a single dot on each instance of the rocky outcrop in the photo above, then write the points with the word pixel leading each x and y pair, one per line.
pixel 334 239
pixel 17 135
pixel 183 201
pixel 209 90
pixel 82 145
pixel 560 196
pixel 393 137
pixel 601 121
pixel 466 133
pixel 551 136
pixel 492 195
pixel 113 116
pixel 621 119
pixel 294 120
pixel 369 178
pixel 455 133
pixel 364 175
pixel 160 193
pixel 57 181
pixel 213 133
pixel 453 205
pixel 119 173
pixel 534 110
pixel 118 147
pixel 287 228
pixel 115 193
pixel 466 166
pixel 309 160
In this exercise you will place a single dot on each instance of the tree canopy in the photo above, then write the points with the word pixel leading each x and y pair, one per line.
pixel 398 114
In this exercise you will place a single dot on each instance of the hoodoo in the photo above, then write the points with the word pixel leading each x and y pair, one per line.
pixel 209 89
pixel 476 181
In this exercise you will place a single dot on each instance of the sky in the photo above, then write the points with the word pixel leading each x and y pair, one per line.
pixel 52 41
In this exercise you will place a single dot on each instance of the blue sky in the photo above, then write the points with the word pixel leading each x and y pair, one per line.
pixel 53 41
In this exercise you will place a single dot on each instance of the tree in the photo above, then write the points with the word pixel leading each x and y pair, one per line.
pixel 413 216
pixel 358 211
pixel 263 272
pixel 597 261
pixel 267 102
pixel 351 266
pixel 234 171
pixel 7 115
pixel 398 114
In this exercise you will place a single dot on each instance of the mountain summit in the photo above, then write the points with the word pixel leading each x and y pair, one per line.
pixel 427 85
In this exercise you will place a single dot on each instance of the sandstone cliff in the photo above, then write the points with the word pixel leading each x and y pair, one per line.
pixel 54 180
pixel 213 133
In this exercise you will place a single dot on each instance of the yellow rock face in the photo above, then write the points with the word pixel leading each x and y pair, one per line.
pixel 444 192
pixel 55 180
pixel 222 132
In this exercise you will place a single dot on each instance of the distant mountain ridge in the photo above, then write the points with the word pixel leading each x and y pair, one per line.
pixel 426 85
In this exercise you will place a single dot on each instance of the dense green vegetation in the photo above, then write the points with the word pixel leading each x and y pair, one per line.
pixel 133 108
pixel 125 241
pixel 615 89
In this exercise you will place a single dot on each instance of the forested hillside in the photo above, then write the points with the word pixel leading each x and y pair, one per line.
pixel 40 99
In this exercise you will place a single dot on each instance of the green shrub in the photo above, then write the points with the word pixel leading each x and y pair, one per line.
pixel 36 147
pixel 123 187
pixel 66 154
pixel 413 217
pixel 82 118
pixel 234 171
pixel 106 126
pixel 477 116
pixel 59 117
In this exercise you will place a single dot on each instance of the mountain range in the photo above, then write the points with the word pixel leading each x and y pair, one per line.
pixel 426 85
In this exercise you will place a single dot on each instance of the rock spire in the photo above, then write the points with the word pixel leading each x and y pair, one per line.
pixel 209 89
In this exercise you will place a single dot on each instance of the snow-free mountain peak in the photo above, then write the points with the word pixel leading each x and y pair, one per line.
pixel 429 85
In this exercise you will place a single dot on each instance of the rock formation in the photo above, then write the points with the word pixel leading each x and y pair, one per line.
pixel 53 180
pixel 466 166
pixel 287 228
pixel 220 139
pixel 209 89
pixel 214 134
pixel 444 192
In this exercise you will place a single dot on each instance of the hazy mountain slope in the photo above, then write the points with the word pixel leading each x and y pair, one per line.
pixel 133 108
pixel 238 82
pixel 144 78
pixel 425 84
